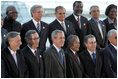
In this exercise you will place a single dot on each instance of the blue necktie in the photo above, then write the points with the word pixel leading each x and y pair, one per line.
pixel 61 56
pixel 94 57
pixel 38 27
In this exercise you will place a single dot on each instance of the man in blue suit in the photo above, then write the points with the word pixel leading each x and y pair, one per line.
pixel 110 55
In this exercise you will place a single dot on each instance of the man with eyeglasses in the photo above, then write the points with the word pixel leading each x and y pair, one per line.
pixel 91 58
pixel 32 54
pixel 110 55
pixel 10 22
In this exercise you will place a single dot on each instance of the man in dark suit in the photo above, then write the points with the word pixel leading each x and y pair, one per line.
pixel 91 58
pixel 32 54
pixel 15 66
pixel 3 34
pixel 54 57
pixel 79 22
pixel 61 24
pixel 97 27
pixel 38 25
pixel 74 68
pixel 110 55
pixel 111 20
pixel 10 22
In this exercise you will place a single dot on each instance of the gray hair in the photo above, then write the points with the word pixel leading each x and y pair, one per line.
pixel 71 39
pixel 87 37
pixel 93 7
pixel 59 7
pixel 10 36
pixel 33 8
pixel 28 35
pixel 55 32
pixel 111 32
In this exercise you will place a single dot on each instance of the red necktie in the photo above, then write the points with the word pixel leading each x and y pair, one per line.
pixel 76 55
pixel 36 54
pixel 79 23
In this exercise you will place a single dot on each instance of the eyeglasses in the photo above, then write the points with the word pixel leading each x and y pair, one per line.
pixel 36 38
pixel 11 12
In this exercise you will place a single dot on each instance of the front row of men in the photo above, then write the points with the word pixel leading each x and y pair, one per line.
pixel 55 63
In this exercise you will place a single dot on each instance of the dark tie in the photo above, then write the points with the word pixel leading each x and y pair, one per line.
pixel 61 56
pixel 94 57
pixel 36 55
pixel 77 56
pixel 38 27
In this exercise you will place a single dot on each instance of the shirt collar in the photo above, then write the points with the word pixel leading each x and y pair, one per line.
pixel 76 17
pixel 60 21
pixel 11 51
pixel 35 23
pixel 114 46
pixel 91 52
pixel 56 48
pixel 72 51
pixel 31 49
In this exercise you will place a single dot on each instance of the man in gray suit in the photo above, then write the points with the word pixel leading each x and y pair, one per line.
pixel 54 58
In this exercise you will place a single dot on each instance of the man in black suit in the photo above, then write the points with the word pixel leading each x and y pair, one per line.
pixel 110 55
pixel 74 68
pixel 32 54
pixel 91 58
pixel 36 24
pixel 15 66
pixel 10 22
pixel 3 34
pixel 54 57
pixel 97 27
pixel 61 24
pixel 79 22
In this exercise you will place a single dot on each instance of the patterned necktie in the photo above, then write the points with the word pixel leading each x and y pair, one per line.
pixel 36 55
pixel 15 58
pixel 94 57
pixel 38 27
pixel 100 29
pixel 62 24
pixel 61 56
pixel 79 22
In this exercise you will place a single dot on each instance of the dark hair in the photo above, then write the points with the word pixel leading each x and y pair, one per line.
pixel 10 8
pixel 87 37
pixel 59 7
pixel 109 8
pixel 76 2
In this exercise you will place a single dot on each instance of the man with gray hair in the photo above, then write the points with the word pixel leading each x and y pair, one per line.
pixel 54 57
pixel 15 66
pixel 91 58
pixel 96 27
pixel 110 55
pixel 32 54
pixel 36 24
pixel 74 68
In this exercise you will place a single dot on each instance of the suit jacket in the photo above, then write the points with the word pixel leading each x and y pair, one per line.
pixel 2 69
pixel 108 26
pixel 11 70
pixel 52 63
pixel 3 34
pixel 79 32
pixel 35 69
pixel 110 61
pixel 74 69
pixel 55 25
pixel 93 29
pixel 43 34
pixel 91 69
pixel 11 25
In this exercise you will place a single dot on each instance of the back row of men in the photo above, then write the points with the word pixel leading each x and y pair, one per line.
pixel 75 24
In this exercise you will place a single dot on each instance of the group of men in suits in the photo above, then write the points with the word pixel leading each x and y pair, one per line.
pixel 82 56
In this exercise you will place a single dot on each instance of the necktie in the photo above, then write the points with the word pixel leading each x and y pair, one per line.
pixel 100 29
pixel 61 56
pixel 94 57
pixel 62 24
pixel 36 55
pixel 38 27
pixel 77 56
pixel 79 22
pixel 15 58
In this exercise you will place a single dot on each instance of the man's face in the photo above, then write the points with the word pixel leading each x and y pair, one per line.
pixel 95 12
pixel 37 15
pixel 34 42
pixel 15 43
pixel 113 39
pixel 1 21
pixel 59 40
pixel 76 45
pixel 113 13
pixel 12 14
pixel 60 14
pixel 91 44
pixel 78 9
